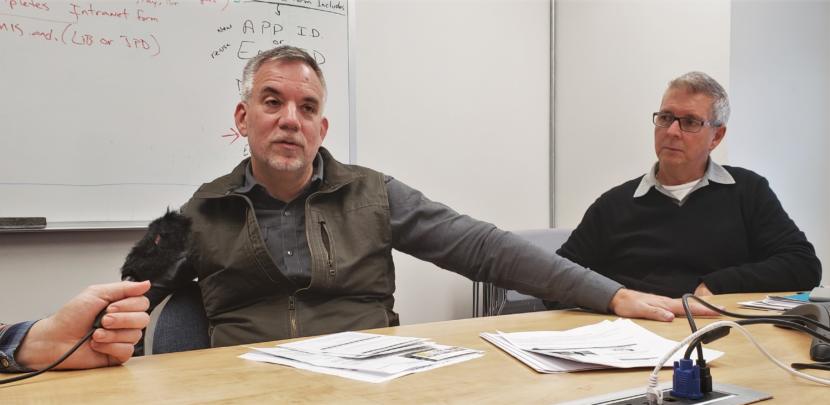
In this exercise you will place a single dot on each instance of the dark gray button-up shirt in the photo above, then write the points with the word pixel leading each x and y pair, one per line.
pixel 283 225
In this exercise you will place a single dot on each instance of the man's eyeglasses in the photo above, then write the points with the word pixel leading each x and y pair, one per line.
pixel 687 124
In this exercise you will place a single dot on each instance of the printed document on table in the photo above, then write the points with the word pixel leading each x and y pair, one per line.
pixel 363 356
pixel 365 376
pixel 539 362
pixel 774 303
pixel 356 344
pixel 620 343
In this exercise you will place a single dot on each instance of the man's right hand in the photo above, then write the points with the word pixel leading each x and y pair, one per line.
pixel 634 304
pixel 111 344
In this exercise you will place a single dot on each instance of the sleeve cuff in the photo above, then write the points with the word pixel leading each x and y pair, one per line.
pixel 10 339
pixel 602 290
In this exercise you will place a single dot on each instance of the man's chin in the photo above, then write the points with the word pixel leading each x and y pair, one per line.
pixel 286 165
pixel 671 157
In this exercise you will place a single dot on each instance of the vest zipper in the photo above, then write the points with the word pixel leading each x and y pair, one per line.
pixel 327 245
pixel 292 316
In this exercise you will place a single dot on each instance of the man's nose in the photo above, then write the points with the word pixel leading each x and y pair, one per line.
pixel 674 128
pixel 290 120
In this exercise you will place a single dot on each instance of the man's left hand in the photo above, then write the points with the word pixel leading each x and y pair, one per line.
pixel 634 304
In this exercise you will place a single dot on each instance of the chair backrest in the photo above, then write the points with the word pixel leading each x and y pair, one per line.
pixel 499 301
pixel 549 238
pixel 178 324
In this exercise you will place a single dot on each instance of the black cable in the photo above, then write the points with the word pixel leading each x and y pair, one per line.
pixel 790 321
pixel 814 366
pixel 765 320
pixel 95 325
pixel 692 325
pixel 51 366
pixel 743 316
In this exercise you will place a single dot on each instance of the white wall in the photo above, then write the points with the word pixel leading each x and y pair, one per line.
pixel 780 93
pixel 613 61
pixel 452 98
pixel 38 272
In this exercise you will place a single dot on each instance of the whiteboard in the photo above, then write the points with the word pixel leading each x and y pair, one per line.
pixel 112 111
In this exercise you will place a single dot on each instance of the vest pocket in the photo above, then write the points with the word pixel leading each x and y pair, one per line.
pixel 324 232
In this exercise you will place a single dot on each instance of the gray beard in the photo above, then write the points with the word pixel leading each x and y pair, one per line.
pixel 283 165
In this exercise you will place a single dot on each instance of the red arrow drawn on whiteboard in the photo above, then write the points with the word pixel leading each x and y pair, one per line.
pixel 236 135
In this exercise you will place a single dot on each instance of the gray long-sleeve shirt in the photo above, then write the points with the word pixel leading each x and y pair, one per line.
pixel 436 233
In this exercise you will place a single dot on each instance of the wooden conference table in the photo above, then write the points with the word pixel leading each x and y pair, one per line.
pixel 217 375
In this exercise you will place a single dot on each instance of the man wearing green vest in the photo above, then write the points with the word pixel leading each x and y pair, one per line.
pixel 294 243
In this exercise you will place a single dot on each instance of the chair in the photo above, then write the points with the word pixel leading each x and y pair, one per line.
pixel 499 301
pixel 178 323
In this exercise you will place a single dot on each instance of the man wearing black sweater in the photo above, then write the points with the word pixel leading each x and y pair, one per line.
pixel 689 224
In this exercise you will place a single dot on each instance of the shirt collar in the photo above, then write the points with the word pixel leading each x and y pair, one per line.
pixel 714 173
pixel 250 181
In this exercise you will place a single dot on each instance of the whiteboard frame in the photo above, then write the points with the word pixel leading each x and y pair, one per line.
pixel 351 30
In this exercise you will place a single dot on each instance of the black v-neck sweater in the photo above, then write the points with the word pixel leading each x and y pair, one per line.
pixel 732 237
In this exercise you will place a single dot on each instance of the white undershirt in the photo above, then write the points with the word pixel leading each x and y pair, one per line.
pixel 680 191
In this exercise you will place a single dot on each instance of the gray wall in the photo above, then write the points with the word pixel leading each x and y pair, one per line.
pixel 780 90
pixel 38 272
pixel 613 61
pixel 453 99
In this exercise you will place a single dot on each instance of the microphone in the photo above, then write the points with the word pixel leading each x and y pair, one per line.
pixel 160 257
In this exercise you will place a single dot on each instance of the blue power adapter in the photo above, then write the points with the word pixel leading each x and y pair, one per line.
pixel 686 380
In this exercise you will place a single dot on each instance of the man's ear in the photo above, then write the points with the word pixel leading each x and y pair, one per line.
pixel 720 133
pixel 239 116
pixel 324 128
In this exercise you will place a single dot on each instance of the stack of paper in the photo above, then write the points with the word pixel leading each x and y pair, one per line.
pixel 363 356
pixel 776 303
pixel 620 343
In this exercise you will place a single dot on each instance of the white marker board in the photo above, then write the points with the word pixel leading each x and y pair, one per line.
pixel 112 111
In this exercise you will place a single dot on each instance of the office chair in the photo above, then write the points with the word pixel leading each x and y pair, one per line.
pixel 178 324
pixel 499 301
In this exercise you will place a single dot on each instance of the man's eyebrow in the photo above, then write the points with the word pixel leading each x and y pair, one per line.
pixel 693 116
pixel 311 99
pixel 270 90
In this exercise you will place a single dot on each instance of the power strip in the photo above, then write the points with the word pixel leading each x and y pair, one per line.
pixel 722 394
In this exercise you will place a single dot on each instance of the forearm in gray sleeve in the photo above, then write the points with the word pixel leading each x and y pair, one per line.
pixel 480 251
pixel 519 265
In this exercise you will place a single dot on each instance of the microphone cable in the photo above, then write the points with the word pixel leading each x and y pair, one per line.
pixel 95 325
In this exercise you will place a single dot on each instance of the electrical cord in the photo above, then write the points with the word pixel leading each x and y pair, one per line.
pixel 789 321
pixel 814 366
pixel 95 325
pixel 772 321
pixel 720 329
pixel 744 316
pixel 655 395
pixel 692 325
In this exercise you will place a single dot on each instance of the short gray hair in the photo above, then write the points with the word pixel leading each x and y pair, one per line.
pixel 701 83
pixel 281 53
